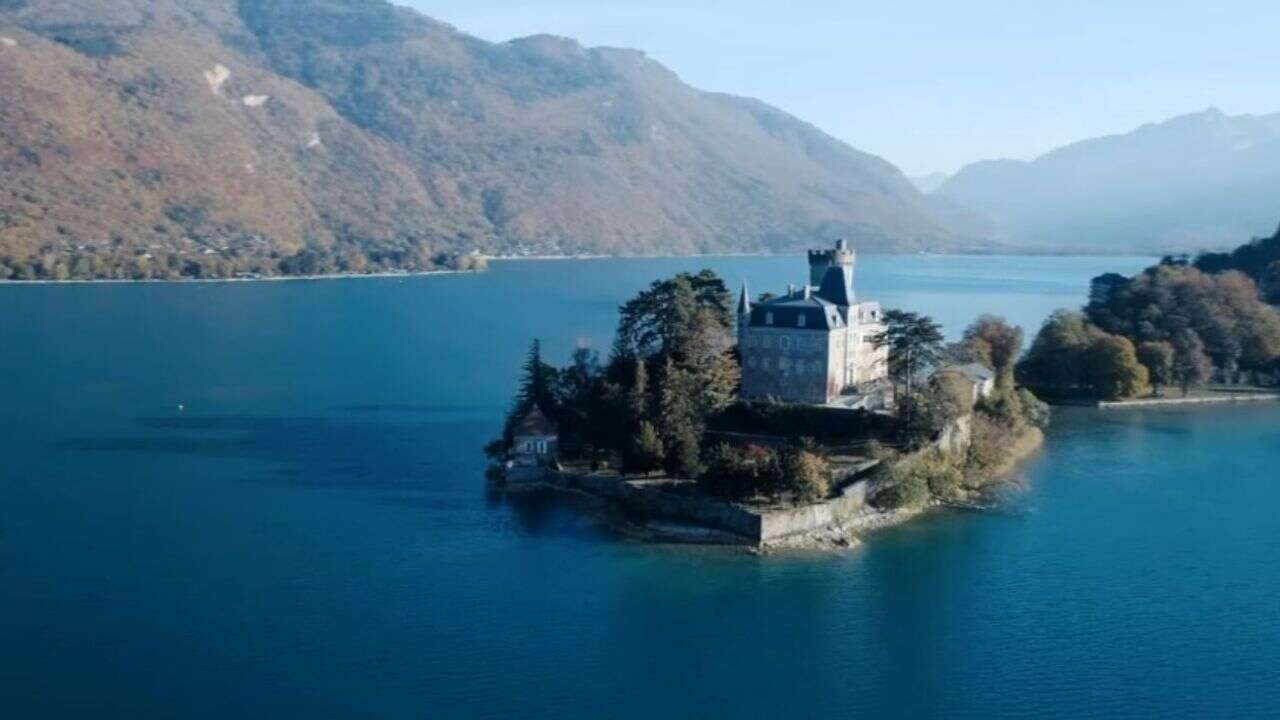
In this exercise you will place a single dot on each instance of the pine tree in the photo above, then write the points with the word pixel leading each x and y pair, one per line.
pixel 537 389
pixel 647 451
pixel 638 397
pixel 679 423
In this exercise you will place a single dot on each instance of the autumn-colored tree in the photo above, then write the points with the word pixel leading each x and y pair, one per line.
pixel 805 471
pixel 1112 369
pixel 996 344
pixel 1158 357
pixel 1191 366
pixel 1054 363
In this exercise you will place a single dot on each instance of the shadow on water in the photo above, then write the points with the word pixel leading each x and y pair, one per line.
pixel 315 451
pixel 548 512
pixel 451 411
pixel 410 460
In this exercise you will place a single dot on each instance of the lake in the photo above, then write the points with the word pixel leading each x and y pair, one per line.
pixel 267 499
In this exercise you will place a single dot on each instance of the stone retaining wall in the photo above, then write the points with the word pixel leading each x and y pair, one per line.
pixel 750 525
pixel 1203 400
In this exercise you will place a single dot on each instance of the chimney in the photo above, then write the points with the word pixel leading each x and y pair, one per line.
pixel 791 290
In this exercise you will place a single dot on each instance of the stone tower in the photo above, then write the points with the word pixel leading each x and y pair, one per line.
pixel 820 261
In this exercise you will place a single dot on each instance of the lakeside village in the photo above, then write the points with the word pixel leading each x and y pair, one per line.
pixel 813 417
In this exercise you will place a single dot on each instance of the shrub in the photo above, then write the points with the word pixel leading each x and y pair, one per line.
pixel 941 475
pixel 1035 411
pixel 736 473
pixel 928 412
pixel 647 451
pixel 806 472
pixel 989 445
pixel 897 487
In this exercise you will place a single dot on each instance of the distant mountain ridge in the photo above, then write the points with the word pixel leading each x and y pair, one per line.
pixel 360 133
pixel 1197 181
pixel 929 182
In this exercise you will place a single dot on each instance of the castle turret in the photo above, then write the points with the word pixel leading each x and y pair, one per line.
pixel 744 310
pixel 822 261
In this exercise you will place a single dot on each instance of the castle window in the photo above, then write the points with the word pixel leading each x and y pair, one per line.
pixel 784 342
pixel 800 321
pixel 768 318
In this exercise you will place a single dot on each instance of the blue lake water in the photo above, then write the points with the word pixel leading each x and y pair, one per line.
pixel 312 537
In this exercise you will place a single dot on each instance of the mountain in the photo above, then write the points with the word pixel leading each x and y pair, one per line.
pixel 930 182
pixel 219 136
pixel 1198 181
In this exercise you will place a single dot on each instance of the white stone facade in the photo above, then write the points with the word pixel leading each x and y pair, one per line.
pixel 815 344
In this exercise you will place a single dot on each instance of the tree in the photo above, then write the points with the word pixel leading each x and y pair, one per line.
pixel 1238 330
pixel 1112 369
pixel 1035 412
pixel 1269 284
pixel 1101 287
pixel 577 392
pixel 996 344
pixel 687 322
pixel 1158 357
pixel 638 395
pixel 1254 258
pixel 736 473
pixel 647 452
pixel 930 410
pixel 537 389
pixel 672 314
pixel 679 423
pixel 1191 367
pixel 915 343
pixel 684 450
pixel 1055 361
pixel 806 472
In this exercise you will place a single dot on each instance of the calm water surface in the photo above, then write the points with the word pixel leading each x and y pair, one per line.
pixel 311 537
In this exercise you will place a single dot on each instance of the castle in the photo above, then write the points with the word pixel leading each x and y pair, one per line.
pixel 814 345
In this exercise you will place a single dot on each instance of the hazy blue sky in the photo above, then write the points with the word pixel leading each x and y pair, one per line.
pixel 933 85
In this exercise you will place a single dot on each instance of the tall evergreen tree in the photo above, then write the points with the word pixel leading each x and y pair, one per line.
pixel 537 389
pixel 678 422
pixel 638 396
pixel 915 343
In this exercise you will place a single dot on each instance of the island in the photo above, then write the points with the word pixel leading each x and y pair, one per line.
pixel 803 419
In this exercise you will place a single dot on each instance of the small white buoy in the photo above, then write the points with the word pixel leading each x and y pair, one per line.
pixel 181 407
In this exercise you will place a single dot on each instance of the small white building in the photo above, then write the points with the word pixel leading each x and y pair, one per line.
pixel 980 377
pixel 535 440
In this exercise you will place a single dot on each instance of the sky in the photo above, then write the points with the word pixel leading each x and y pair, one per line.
pixel 931 86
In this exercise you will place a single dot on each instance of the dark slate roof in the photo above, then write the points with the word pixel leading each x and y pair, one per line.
pixel 534 423
pixel 744 300
pixel 819 314
pixel 835 289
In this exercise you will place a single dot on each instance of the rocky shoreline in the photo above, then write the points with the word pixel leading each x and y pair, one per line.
pixel 845 532
pixel 851 533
